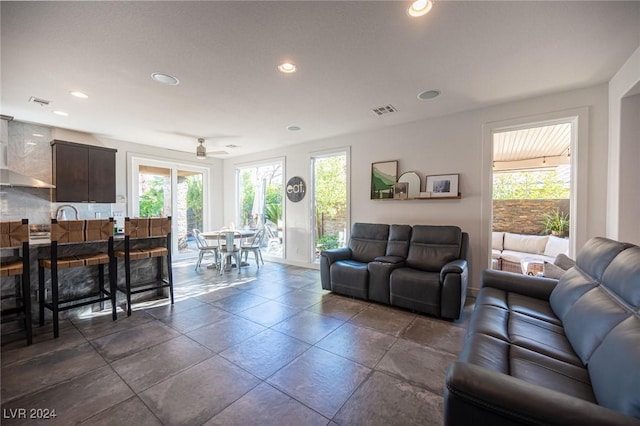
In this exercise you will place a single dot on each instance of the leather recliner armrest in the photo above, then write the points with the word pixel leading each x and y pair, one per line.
pixel 333 255
pixel 537 287
pixel 455 266
pixel 476 395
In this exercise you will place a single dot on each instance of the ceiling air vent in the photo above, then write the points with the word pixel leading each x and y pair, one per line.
pixel 40 101
pixel 387 109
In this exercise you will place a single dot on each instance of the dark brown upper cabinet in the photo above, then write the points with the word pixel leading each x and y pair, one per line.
pixel 83 173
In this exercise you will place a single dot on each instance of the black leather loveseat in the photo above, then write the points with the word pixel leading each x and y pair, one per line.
pixel 541 351
pixel 422 268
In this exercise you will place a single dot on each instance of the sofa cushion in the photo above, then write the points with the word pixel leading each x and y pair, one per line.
pixel 350 277
pixel 432 247
pixel 525 243
pixel 497 240
pixel 563 261
pixel 549 270
pixel 590 319
pixel 398 242
pixel 368 241
pixel 519 256
pixel 555 246
pixel 615 371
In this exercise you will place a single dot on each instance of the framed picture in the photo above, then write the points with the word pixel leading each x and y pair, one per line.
pixel 383 176
pixel 442 185
pixel 400 191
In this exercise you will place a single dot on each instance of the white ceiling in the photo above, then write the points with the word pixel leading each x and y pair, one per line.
pixel 351 57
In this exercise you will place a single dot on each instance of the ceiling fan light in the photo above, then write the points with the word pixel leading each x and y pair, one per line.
pixel 201 150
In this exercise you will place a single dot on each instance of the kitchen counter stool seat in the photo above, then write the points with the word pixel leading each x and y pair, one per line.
pixel 14 235
pixel 78 232
pixel 148 231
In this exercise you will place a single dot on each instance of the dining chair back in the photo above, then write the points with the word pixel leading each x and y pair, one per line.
pixel 253 245
pixel 204 247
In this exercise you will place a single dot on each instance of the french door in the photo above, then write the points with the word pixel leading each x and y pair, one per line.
pixel 159 188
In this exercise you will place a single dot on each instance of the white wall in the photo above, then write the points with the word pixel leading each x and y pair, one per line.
pixel 444 145
pixel 624 152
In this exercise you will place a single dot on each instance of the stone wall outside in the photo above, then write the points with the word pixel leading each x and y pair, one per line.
pixel 524 216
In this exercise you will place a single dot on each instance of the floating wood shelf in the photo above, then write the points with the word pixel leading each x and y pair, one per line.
pixel 419 198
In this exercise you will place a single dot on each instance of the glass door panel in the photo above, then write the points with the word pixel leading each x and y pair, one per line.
pixel 330 209
pixel 260 204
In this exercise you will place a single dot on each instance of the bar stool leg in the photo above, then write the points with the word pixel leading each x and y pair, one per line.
pixel 41 294
pixel 103 291
pixel 127 274
pixel 54 300
pixel 113 287
pixel 26 304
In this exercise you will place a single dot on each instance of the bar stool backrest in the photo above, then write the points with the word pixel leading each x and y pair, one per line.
pixel 147 227
pixel 14 233
pixel 76 231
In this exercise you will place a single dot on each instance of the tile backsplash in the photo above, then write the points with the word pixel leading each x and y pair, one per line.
pixel 29 153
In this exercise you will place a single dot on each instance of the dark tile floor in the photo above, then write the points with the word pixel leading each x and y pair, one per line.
pixel 263 347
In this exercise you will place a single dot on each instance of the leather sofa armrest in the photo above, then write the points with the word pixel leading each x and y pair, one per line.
pixel 455 266
pixel 334 255
pixel 390 259
pixel 537 287
pixel 476 395
pixel 327 257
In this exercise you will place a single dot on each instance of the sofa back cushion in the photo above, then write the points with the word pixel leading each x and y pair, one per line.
pixel 497 240
pixel 612 345
pixel 556 246
pixel 614 368
pixel 368 241
pixel 432 247
pixel 398 243
pixel 601 323
pixel 591 262
pixel 525 243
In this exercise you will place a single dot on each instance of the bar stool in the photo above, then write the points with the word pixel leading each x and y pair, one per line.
pixel 79 237
pixel 149 233
pixel 14 236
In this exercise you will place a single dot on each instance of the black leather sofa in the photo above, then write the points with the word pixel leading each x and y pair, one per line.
pixel 541 351
pixel 422 268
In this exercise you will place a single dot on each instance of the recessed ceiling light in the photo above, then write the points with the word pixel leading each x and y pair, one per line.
pixel 287 67
pixel 62 113
pixel 293 128
pixel 419 8
pixel 165 78
pixel 37 135
pixel 428 94
pixel 79 95
pixel 30 142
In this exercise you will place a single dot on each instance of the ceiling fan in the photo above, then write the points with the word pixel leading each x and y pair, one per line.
pixel 201 151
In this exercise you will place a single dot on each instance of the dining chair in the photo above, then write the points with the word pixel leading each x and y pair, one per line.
pixel 252 245
pixel 205 248
pixel 228 249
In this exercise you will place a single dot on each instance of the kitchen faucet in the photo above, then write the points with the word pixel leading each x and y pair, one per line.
pixel 60 212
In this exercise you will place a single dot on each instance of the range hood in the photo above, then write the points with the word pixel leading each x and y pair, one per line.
pixel 9 177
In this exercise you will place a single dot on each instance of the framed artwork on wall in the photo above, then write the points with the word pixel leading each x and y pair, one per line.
pixel 400 190
pixel 383 177
pixel 442 185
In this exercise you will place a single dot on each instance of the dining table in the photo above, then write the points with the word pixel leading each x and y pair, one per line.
pixel 229 233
